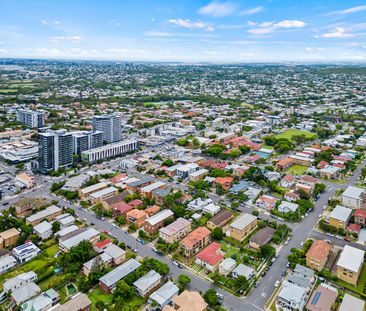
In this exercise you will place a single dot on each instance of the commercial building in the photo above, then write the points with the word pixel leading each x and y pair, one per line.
pixel 31 118
pixel 50 213
pixel 85 140
pixel 242 226
pixel 55 150
pixel 195 241
pixel 9 237
pixel 176 231
pixel 318 254
pixel 350 264
pixel 25 179
pixel 109 151
pixel 110 125
pixel 154 223
pixel 108 282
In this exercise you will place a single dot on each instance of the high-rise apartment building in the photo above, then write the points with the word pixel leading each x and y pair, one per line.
pixel 31 118
pixel 85 140
pixel 110 125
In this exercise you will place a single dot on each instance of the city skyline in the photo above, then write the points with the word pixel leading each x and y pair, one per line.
pixel 189 31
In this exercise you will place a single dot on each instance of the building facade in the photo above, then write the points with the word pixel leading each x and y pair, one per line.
pixel 110 125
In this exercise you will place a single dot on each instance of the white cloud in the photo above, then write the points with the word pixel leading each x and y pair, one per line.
pixel 186 23
pixel 58 39
pixel 353 9
pixel 251 11
pixel 114 22
pixel 218 9
pixel 44 22
pixel 268 27
pixel 57 22
pixel 157 34
pixel 338 32
pixel 3 51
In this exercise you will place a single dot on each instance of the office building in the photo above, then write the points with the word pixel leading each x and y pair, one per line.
pixel 110 125
pixel 55 150
pixel 31 118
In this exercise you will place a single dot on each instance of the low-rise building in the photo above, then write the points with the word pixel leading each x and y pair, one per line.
pixel 322 298
pixel 50 213
pixel 6 263
pixel 350 264
pixel 84 193
pixel 340 217
pixel 25 292
pixel 243 270
pixel 148 283
pixel 317 255
pixel 261 237
pixel 352 303
pixel 9 237
pixel 100 196
pixel 242 226
pixel 19 280
pixel 44 301
pixel 176 231
pixel 359 217
pixel 354 197
pixel 227 266
pixel 286 207
pixel 27 180
pixel 154 223
pixel 219 220
pixel 90 234
pixel 192 301
pixel 136 217
pixel 43 230
pixel 108 282
pixel 79 302
pixel 195 241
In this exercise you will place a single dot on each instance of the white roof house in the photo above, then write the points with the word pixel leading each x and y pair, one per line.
pixel 147 282
pixel 286 207
pixel 352 303
pixel 161 216
pixel 351 258
pixel 87 235
pixel 243 270
pixel 164 294
pixel 341 213
pixel 243 221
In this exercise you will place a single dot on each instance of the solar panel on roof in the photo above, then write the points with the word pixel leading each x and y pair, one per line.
pixel 316 298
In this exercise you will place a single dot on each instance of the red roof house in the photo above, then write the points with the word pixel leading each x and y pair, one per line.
pixel 210 257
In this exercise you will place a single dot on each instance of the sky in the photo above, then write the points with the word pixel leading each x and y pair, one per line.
pixel 231 31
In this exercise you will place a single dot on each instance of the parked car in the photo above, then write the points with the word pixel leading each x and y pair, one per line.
pixel 256 284
pixel 220 296
pixel 277 283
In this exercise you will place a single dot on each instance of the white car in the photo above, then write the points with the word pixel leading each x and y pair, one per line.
pixel 302 244
pixel 277 283
pixel 220 296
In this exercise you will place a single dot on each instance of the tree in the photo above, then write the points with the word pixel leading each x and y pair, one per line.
pixel 123 290
pixel 218 234
pixel 211 298
pixel 183 281
pixel 267 251
pixel 55 226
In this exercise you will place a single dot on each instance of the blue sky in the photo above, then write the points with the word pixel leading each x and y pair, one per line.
pixel 186 30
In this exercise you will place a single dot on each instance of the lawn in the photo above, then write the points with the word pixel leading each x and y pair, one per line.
pixel 229 249
pixel 292 132
pixel 297 170
pixel 97 295
pixel 264 146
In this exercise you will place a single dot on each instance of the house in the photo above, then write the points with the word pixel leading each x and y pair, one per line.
pixel 242 186
pixel 74 238
pixel 359 217
pixel 352 303
pixel 50 213
pixel 340 217
pixel 330 172
pixel 9 237
pixel 317 255
pixel 306 188
pixel 176 231
pixel 198 204
pixel 152 210
pixel 322 298
pixel 197 175
pixel 252 193
pixel 154 223
pixel 354 197
pixel 192 301
pixel 183 171
pixel 219 220
pixel 211 209
pixel 148 190
pixel 24 292
pixel 301 160
pixel 43 230
pixel 195 241
pixel 224 182
pixel 43 302
pixel 108 282
pixel 6 263
pixel 261 237
pixel 210 257
pixel 242 226
pixel 25 252
pixel 164 295
pixel 287 181
pixel 65 220
pixel 354 229
pixel 19 280
pixel 291 196
pixel 309 180
pixel 111 202
pixel 227 266
pixel 136 217
pixel 79 302
pixel 266 202
pixel 243 270
pixel 286 207
pixel 27 180
pixel 350 264
pixel 147 283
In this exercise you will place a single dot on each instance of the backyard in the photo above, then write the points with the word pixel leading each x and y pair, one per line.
pixel 297 170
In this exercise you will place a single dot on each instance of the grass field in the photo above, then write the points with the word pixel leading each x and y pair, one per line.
pixel 293 132
pixel 297 170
